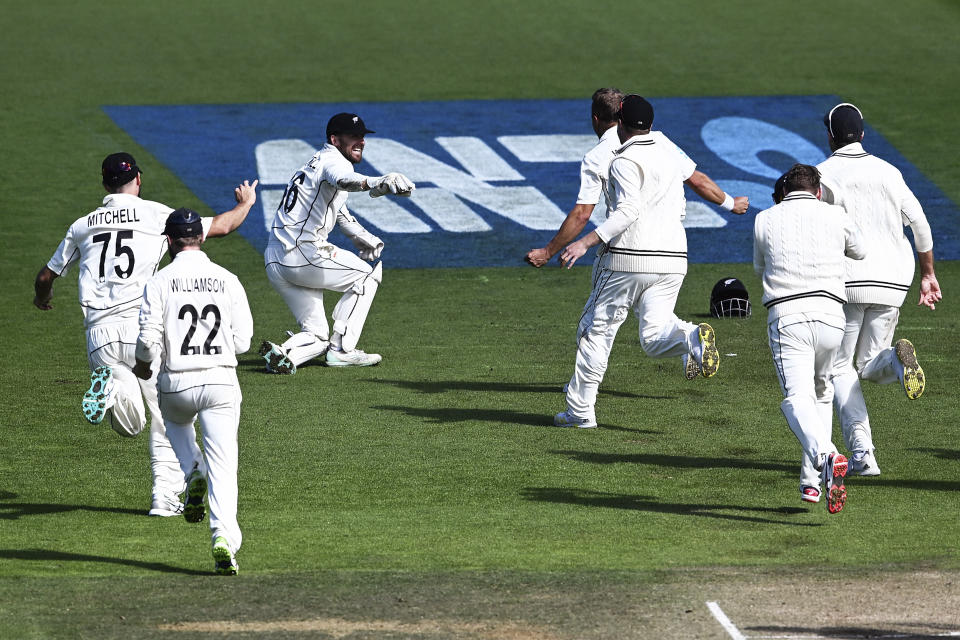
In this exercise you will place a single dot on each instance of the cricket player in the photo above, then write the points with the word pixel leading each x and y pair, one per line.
pixel 594 177
pixel 195 315
pixel 301 262
pixel 604 109
pixel 875 196
pixel 798 251
pixel 641 264
pixel 594 168
pixel 117 247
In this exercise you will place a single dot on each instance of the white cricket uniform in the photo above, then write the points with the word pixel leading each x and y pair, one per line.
pixel 640 265
pixel 875 196
pixel 118 247
pixel 196 313
pixel 798 251
pixel 595 167
pixel 301 262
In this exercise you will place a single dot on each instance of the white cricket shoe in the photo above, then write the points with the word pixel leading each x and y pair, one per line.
pixel 277 360
pixel 355 358
pixel 165 505
pixel 565 419
pixel 99 397
pixel 691 369
pixel 863 463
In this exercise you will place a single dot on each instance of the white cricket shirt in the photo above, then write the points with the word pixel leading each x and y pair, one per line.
pixel 595 166
pixel 798 250
pixel 874 194
pixel 197 312
pixel 118 247
pixel 315 201
pixel 644 231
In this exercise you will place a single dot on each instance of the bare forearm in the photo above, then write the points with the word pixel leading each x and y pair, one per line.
pixel 926 263
pixel 575 222
pixel 43 288
pixel 704 186
pixel 228 221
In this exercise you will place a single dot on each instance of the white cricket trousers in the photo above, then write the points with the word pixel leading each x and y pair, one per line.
pixel 804 347
pixel 652 296
pixel 301 275
pixel 865 352
pixel 217 406
pixel 114 345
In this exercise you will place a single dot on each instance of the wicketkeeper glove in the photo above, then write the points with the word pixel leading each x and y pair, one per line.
pixel 394 183
pixel 371 254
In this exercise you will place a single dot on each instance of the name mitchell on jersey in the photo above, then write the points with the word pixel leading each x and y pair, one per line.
pixel 112 216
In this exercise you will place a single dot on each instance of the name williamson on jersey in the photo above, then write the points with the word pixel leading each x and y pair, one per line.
pixel 199 285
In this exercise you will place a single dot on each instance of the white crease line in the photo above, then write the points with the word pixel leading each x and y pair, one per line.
pixel 724 621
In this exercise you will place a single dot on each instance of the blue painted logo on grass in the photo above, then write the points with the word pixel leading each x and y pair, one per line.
pixel 496 178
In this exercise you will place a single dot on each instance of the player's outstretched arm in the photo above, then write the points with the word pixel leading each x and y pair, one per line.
pixel 393 183
pixel 43 289
pixel 574 223
pixel 228 221
pixel 706 188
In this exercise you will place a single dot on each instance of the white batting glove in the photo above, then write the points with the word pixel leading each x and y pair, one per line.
pixel 371 254
pixel 394 183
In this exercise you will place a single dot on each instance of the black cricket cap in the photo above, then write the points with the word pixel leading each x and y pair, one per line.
pixel 778 189
pixel 636 112
pixel 346 123
pixel 845 123
pixel 119 169
pixel 183 223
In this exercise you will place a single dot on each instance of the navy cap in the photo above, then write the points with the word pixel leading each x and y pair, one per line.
pixel 636 112
pixel 119 169
pixel 183 223
pixel 778 189
pixel 346 123
pixel 845 123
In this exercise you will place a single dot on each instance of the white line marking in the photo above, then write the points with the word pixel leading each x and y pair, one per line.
pixel 724 621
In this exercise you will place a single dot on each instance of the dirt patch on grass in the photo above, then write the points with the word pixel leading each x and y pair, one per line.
pixel 340 628
pixel 821 603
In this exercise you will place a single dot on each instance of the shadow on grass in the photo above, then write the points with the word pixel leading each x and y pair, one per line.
pixel 945 454
pixel 587 498
pixel 45 555
pixel 442 386
pixel 682 462
pixel 14 510
pixel 448 415
pixel 852 632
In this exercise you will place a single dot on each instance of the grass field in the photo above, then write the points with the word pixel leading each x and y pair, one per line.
pixel 430 497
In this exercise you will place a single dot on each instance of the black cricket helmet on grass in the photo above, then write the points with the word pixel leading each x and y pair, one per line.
pixel 729 299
